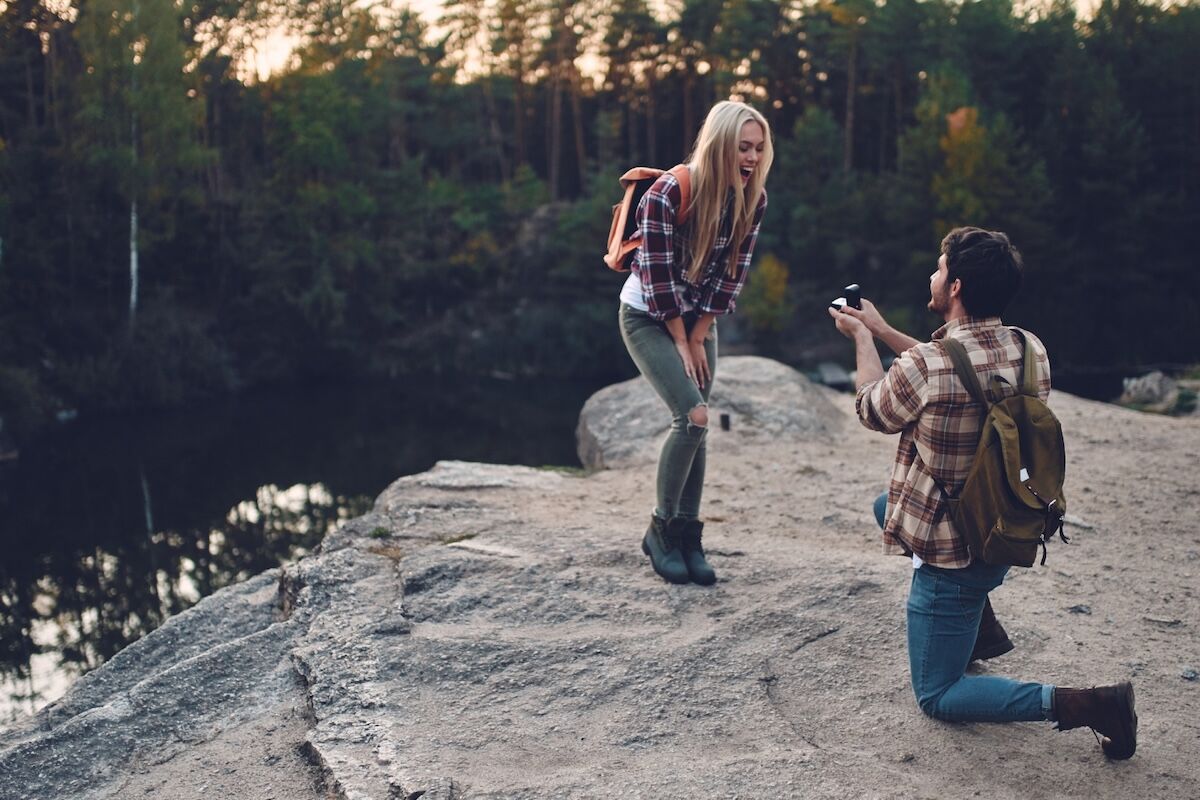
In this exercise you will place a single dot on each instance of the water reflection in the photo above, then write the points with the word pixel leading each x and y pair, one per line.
pixel 63 613
pixel 110 528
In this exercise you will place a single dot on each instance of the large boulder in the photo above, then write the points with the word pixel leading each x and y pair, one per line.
pixel 1152 389
pixel 623 424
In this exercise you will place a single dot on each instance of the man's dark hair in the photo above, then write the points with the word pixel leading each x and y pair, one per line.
pixel 988 266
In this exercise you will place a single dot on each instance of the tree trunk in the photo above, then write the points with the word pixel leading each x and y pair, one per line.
pixel 689 113
pixel 555 154
pixel 493 128
pixel 133 220
pixel 898 91
pixel 519 115
pixel 851 91
pixel 630 121
pixel 577 118
pixel 133 264
pixel 651 121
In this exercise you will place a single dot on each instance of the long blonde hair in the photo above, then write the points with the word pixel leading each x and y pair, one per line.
pixel 714 171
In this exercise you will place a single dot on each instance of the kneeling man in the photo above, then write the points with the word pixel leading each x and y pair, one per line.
pixel 923 399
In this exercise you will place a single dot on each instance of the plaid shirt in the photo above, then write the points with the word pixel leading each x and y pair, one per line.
pixel 923 399
pixel 662 260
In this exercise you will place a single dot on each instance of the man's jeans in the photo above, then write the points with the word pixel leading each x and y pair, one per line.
pixel 944 607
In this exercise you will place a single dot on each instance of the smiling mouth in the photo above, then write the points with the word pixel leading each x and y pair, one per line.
pixel 747 172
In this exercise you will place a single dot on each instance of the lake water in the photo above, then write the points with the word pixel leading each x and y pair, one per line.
pixel 108 527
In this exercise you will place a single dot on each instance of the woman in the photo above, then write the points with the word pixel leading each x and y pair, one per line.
pixel 680 281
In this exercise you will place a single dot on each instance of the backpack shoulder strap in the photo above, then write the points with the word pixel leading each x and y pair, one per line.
pixel 684 178
pixel 966 372
pixel 1029 378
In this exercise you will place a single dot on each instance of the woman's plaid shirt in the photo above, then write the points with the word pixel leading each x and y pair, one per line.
pixel 923 399
pixel 661 260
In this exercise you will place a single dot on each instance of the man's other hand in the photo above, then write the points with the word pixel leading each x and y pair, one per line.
pixel 869 316
pixel 848 324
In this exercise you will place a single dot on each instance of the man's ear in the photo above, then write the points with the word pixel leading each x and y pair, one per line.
pixel 956 288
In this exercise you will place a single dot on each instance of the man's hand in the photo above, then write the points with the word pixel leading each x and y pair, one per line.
pixel 849 325
pixel 874 323
pixel 869 316
pixel 866 357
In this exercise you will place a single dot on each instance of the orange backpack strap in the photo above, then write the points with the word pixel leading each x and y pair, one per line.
pixel 683 177
pixel 619 248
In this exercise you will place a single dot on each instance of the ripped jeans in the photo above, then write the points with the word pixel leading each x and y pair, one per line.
pixel 681 463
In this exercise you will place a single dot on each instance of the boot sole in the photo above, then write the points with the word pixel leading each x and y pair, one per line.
pixel 1129 724
pixel 681 579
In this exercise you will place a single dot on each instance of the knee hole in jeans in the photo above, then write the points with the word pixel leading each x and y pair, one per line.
pixel 698 416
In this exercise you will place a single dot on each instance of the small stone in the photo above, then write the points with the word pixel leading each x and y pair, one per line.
pixel 907 758
pixel 1189 674
pixel 1080 609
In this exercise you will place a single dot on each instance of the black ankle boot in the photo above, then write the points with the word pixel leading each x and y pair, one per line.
pixel 698 567
pixel 661 543
pixel 1107 710
pixel 992 640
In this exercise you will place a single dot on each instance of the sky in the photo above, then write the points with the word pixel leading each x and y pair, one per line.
pixel 274 52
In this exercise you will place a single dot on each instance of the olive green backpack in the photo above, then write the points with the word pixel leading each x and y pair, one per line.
pixel 1012 501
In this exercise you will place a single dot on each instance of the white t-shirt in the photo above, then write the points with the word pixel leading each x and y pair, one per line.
pixel 634 296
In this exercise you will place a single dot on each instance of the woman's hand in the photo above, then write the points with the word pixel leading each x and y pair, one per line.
pixel 700 359
pixel 684 348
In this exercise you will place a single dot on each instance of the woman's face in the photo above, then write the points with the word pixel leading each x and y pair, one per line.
pixel 750 147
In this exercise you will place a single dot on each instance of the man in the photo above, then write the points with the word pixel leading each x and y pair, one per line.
pixel 923 399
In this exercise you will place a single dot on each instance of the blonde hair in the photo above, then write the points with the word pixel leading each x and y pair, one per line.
pixel 714 172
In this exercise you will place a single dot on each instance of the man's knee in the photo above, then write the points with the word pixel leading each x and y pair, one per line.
pixel 698 416
pixel 930 702
pixel 929 705
pixel 880 509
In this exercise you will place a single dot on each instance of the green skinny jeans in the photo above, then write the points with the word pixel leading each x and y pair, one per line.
pixel 681 463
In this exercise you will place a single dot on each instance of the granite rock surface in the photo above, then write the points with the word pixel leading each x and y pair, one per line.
pixel 491 631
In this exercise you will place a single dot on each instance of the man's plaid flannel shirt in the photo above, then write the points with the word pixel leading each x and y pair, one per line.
pixel 661 259
pixel 922 398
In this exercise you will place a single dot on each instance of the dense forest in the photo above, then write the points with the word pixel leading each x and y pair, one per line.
pixel 411 194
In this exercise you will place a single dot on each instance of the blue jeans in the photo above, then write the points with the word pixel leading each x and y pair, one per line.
pixel 944 607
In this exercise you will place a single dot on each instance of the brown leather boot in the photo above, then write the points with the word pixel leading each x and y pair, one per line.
pixel 992 640
pixel 1107 710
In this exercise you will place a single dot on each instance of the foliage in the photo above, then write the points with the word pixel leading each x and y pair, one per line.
pixel 402 196
pixel 765 298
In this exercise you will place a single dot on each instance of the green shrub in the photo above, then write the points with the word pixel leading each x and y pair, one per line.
pixel 1185 402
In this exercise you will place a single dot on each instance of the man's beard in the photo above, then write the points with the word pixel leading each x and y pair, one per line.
pixel 939 303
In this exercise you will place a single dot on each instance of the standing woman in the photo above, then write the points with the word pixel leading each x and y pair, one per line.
pixel 682 279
